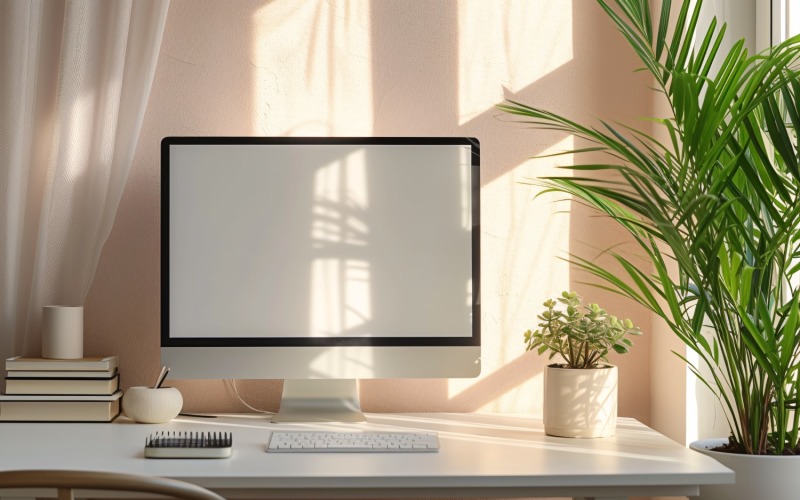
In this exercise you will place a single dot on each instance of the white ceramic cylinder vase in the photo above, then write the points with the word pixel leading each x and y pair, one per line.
pixel 62 332
pixel 147 405
pixel 580 403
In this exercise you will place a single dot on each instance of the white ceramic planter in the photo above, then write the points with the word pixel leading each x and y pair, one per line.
pixel 152 406
pixel 757 476
pixel 580 403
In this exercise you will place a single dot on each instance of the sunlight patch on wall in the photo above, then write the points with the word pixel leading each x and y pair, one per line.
pixel 508 45
pixel 318 50
pixel 522 242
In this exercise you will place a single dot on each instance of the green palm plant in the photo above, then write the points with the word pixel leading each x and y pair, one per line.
pixel 718 199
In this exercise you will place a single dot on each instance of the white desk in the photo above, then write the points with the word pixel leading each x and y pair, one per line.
pixel 481 456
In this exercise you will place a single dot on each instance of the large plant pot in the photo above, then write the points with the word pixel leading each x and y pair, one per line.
pixel 757 476
pixel 580 403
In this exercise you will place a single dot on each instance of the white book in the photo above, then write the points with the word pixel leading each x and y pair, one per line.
pixel 59 397
pixel 79 386
pixel 59 411
pixel 83 364
pixel 73 374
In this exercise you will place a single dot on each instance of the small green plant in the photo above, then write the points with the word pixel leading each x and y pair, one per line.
pixel 583 334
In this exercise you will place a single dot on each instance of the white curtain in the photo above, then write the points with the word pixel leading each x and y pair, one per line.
pixel 75 76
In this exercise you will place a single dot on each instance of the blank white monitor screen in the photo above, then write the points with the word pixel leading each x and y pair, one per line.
pixel 320 258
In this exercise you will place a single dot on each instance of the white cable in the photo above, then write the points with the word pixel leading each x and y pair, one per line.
pixel 232 383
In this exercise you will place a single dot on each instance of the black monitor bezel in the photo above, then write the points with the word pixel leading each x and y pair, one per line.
pixel 474 340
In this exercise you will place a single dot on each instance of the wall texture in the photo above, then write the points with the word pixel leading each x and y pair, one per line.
pixel 287 67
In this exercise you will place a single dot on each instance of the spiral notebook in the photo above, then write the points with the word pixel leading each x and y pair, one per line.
pixel 189 445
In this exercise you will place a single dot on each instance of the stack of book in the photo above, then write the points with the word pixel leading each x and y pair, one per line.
pixel 61 390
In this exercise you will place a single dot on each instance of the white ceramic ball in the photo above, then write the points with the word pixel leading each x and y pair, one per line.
pixel 152 406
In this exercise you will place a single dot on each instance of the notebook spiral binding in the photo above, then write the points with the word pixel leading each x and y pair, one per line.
pixel 178 444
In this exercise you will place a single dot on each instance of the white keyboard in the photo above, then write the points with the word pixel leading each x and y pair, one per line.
pixel 327 442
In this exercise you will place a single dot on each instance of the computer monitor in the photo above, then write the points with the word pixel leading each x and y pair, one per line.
pixel 320 261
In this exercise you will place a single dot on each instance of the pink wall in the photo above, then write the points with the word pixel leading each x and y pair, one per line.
pixel 387 68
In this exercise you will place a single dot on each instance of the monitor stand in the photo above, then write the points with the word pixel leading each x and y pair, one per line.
pixel 319 400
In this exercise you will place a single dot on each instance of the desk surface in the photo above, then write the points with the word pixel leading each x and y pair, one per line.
pixel 481 455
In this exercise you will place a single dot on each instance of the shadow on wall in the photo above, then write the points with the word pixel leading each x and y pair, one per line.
pixel 582 87
pixel 382 69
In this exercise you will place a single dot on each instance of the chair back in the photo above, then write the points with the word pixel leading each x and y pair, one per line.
pixel 65 482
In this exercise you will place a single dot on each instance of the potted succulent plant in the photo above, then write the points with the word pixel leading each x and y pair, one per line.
pixel 580 394
pixel 719 196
